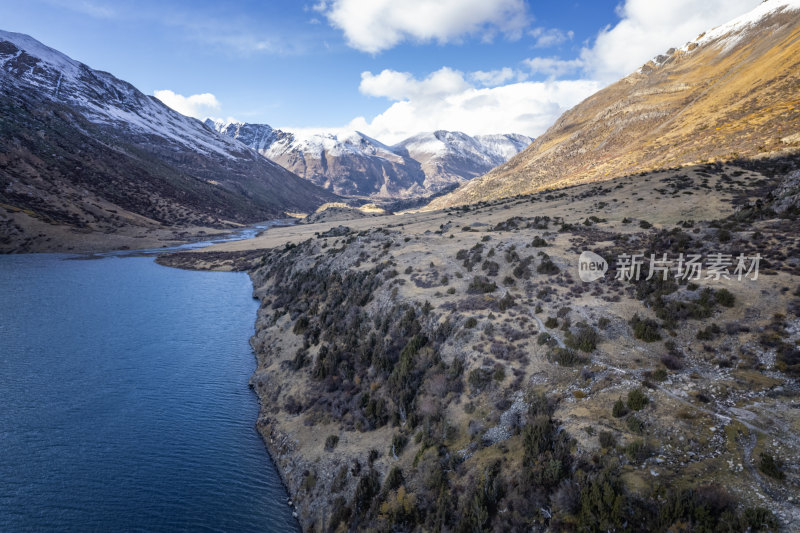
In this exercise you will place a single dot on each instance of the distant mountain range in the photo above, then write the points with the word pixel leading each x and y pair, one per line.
pixel 354 164
pixel 81 148
pixel 733 92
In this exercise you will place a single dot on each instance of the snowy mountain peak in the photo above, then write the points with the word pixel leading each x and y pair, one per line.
pixel 353 163
pixel 26 64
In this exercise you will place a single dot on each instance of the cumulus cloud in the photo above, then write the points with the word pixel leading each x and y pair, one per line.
pixel 553 67
pixel 196 105
pixel 546 38
pixel 402 85
pixel 493 78
pixel 376 25
pixel 650 28
pixel 446 100
pixel 501 100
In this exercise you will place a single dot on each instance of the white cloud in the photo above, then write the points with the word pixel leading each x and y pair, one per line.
pixel 445 100
pixel 650 28
pixel 553 67
pixel 479 102
pixel 196 105
pixel 376 25
pixel 546 38
pixel 493 78
pixel 402 85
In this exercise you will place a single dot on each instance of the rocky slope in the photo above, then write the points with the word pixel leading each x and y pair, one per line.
pixel 354 164
pixel 733 92
pixel 451 371
pixel 82 151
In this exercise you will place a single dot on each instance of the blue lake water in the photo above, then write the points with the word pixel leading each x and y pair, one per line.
pixel 124 403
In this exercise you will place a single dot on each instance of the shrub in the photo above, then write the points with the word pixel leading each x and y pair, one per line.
pixel 471 322
pixel 645 224
pixel 478 379
pixel 566 357
pixel 771 466
pixel 635 425
pixel 637 400
pixel 607 439
pixel 547 267
pixel 393 479
pixel 399 442
pixel 585 339
pixel 619 410
pixel 551 322
pixel 660 374
pixel 671 361
pixel 638 451
pixel 544 338
pixel 481 285
pixel 538 242
pixel 331 442
pixel 499 372
pixel 645 329
pixel 725 298
pixel 709 333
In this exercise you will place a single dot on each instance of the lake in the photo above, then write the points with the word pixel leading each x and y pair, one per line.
pixel 124 402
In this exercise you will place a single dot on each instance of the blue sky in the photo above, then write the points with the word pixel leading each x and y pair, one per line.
pixel 385 67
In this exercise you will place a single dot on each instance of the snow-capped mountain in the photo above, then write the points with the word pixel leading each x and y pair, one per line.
pixel 355 164
pixel 74 133
pixel 449 157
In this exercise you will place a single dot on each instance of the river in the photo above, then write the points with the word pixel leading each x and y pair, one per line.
pixel 124 402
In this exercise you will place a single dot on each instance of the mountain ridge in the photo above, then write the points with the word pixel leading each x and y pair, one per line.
pixel 82 151
pixel 354 164
pixel 727 94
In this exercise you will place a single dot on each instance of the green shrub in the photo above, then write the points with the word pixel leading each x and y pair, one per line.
pixel 607 439
pixel 393 479
pixel 771 466
pixel 645 329
pixel 725 298
pixel 330 442
pixel 637 400
pixel 645 224
pixel 709 333
pixel 481 285
pixel 547 267
pixel 551 322
pixel 478 379
pixel 399 442
pixel 660 374
pixel 538 242
pixel 499 372
pixel 585 339
pixel 566 357
pixel 638 451
pixel 471 322
pixel 635 425
pixel 619 410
